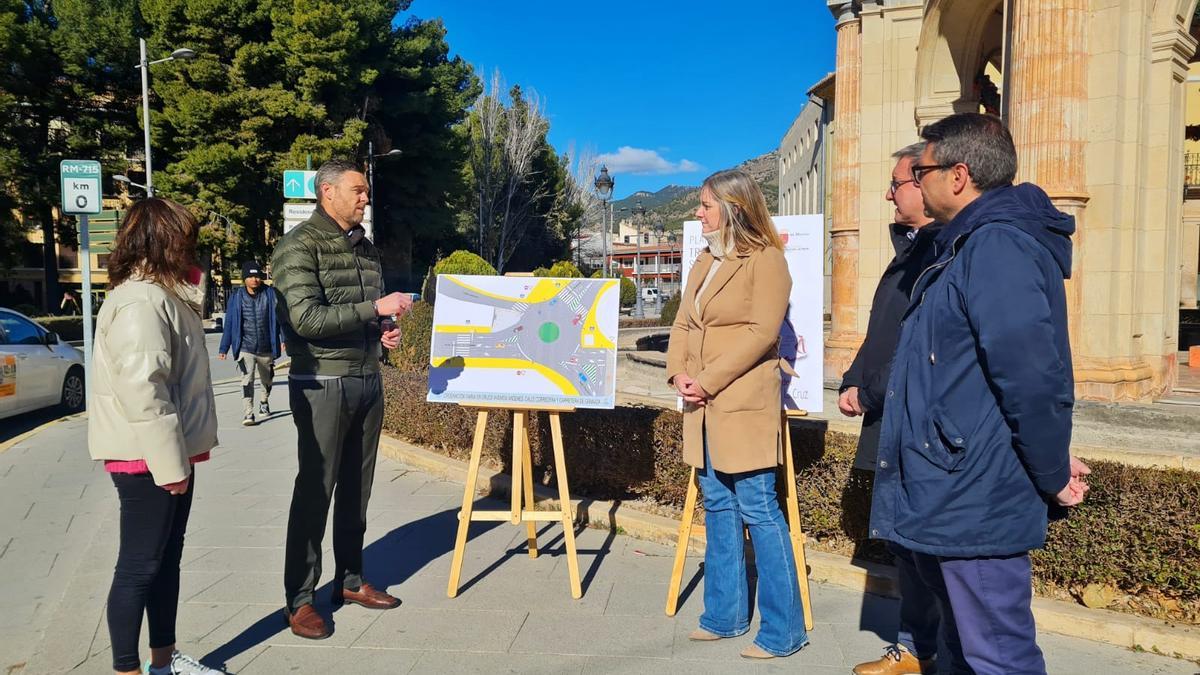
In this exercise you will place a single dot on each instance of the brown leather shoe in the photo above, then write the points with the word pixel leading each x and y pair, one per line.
pixel 306 623
pixel 896 661
pixel 366 596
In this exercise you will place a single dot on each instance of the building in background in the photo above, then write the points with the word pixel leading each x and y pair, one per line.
pixel 1095 93
pixel 802 160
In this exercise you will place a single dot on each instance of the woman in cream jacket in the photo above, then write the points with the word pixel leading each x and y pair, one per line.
pixel 723 358
pixel 150 418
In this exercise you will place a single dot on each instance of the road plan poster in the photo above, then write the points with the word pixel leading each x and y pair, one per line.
pixel 524 341
pixel 802 337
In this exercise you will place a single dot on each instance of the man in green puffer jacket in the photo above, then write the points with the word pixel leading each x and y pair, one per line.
pixel 329 286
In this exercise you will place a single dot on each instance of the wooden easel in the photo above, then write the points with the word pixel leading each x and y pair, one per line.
pixel 792 513
pixel 522 490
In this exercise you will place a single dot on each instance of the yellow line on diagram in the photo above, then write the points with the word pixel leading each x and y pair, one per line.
pixel 541 292
pixel 590 325
pixel 561 382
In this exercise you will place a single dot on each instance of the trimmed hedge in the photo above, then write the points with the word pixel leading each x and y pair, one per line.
pixel 459 262
pixel 68 327
pixel 1138 532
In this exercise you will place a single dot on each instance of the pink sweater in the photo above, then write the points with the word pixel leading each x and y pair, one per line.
pixel 139 465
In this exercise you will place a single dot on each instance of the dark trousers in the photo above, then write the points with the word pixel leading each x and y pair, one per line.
pixel 146 578
pixel 338 422
pixel 926 614
pixel 992 608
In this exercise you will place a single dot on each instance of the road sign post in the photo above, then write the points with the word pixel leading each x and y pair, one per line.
pixel 299 184
pixel 80 183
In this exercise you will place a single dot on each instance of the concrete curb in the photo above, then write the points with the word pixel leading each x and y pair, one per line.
pixel 1055 616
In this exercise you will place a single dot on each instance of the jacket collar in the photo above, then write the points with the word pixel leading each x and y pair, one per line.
pixel 324 221
pixel 190 291
pixel 729 265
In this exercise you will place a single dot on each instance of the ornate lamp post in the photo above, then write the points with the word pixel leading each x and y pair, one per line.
pixel 604 189
pixel 639 215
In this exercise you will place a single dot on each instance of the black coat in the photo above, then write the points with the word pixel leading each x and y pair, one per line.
pixel 915 250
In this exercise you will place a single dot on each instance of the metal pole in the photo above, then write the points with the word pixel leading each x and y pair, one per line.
pixel 371 170
pixel 86 265
pixel 146 114
pixel 637 273
pixel 658 276
pixel 604 238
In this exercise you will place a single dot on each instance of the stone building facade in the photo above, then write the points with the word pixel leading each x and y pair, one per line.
pixel 803 156
pixel 1094 93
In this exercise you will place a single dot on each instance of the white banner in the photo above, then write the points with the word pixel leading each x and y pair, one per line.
pixel 802 336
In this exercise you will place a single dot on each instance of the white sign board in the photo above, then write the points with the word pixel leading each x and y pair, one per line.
pixel 524 341
pixel 80 181
pixel 802 336
pixel 294 214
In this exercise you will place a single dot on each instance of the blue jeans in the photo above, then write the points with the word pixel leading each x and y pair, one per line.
pixel 730 500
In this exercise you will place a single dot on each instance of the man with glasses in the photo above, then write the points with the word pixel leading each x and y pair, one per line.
pixel 974 450
pixel 863 393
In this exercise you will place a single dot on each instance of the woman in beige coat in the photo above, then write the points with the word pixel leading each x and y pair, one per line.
pixel 150 418
pixel 723 358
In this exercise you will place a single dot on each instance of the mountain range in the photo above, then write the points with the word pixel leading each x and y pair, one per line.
pixel 674 204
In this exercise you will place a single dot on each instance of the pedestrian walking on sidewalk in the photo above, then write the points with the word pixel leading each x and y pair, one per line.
pixel 151 417
pixel 974 448
pixel 723 357
pixel 333 310
pixel 251 330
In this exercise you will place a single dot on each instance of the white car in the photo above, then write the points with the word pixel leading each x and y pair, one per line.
pixel 37 369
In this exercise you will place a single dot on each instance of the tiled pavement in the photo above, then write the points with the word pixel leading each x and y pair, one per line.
pixel 58 544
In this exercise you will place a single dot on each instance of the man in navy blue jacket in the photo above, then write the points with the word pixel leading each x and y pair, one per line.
pixel 252 331
pixel 976 433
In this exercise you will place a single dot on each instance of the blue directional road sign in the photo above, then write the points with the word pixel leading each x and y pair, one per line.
pixel 299 185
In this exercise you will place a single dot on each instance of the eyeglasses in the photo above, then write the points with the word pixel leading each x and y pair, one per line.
pixel 895 184
pixel 919 171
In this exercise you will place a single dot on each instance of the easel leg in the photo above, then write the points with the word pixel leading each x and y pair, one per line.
pixel 517 456
pixel 464 516
pixel 531 527
pixel 685 536
pixel 564 498
pixel 793 518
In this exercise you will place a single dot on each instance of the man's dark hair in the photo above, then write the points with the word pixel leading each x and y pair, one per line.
pixel 331 171
pixel 982 142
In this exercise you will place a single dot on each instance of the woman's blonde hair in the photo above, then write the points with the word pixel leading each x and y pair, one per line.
pixel 743 210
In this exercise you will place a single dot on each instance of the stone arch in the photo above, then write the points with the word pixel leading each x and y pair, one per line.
pixel 957 37
pixel 1169 14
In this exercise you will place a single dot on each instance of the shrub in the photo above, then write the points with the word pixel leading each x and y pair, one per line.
pixel 459 262
pixel 68 327
pixel 416 329
pixel 628 292
pixel 562 268
pixel 669 309
pixel 541 272
pixel 1139 529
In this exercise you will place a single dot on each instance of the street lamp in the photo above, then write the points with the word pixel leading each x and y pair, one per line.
pixel 604 189
pixel 639 215
pixel 371 177
pixel 177 55
pixel 659 236
pixel 122 178
pixel 672 237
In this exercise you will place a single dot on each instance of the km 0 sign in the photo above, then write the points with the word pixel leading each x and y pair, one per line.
pixel 80 181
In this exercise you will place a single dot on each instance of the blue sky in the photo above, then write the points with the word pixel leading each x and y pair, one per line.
pixel 667 92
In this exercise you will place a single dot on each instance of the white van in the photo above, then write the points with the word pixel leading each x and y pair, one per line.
pixel 650 294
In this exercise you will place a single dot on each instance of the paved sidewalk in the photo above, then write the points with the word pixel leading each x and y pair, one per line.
pixel 58 545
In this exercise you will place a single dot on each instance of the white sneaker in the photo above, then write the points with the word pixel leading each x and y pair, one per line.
pixel 182 664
